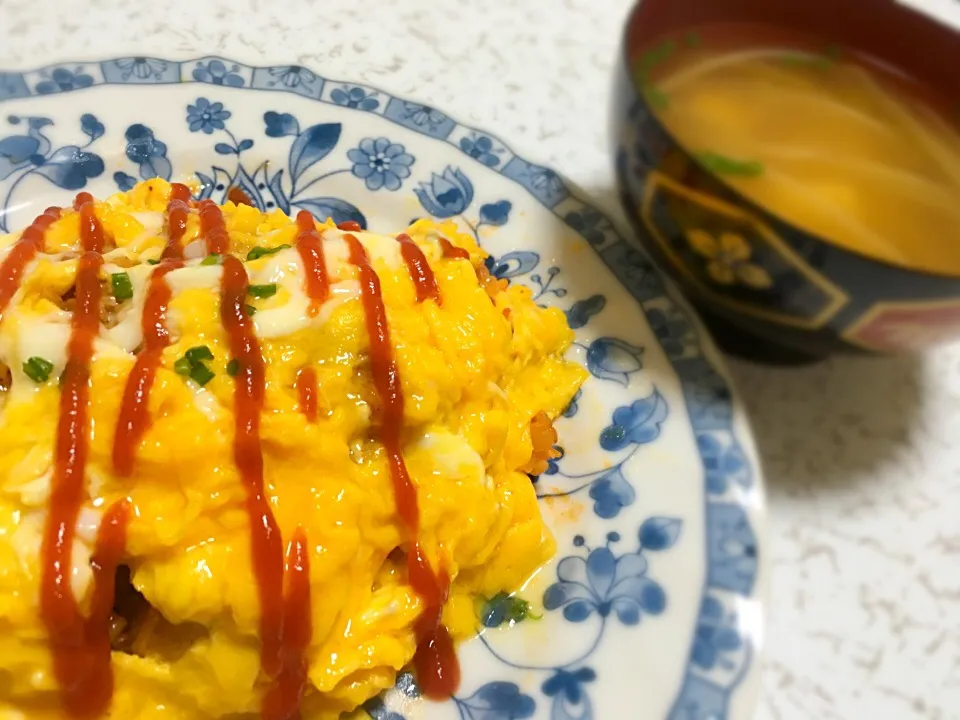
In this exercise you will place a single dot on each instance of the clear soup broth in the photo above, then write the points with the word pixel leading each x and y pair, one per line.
pixel 823 137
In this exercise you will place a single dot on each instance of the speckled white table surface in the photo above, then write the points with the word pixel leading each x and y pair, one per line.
pixel 861 456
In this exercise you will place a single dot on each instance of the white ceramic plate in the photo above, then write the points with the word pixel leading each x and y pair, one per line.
pixel 653 607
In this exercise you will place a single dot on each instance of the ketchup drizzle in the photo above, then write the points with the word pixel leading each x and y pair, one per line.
pixel 282 701
pixel 310 247
pixel 82 652
pixel 451 251
pixel 22 252
pixel 438 670
pixel 178 210
pixel 248 397
pixel 284 626
pixel 349 226
pixel 212 228
pixel 419 268
pixel 80 646
pixel 134 421
pixel 91 231
pixel 306 385
pixel 238 196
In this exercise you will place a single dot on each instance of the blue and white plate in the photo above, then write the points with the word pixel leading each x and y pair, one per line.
pixel 653 607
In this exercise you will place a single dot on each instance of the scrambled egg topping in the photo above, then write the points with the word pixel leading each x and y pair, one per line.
pixel 477 371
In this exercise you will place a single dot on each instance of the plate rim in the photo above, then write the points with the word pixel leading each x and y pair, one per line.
pixel 551 189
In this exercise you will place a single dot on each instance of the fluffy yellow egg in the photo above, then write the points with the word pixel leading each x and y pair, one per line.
pixel 475 369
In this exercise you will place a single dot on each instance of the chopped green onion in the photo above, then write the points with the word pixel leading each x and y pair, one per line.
pixel 259 251
pixel 251 310
pixel 262 291
pixel 201 374
pixel 196 354
pixel 503 608
pixel 38 369
pixel 656 97
pixel 191 365
pixel 721 165
pixel 153 262
pixel 818 61
pixel 654 57
pixel 122 287
pixel 212 259
pixel 233 367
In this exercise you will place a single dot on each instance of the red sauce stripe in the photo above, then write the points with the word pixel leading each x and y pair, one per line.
pixel 212 228
pixel 306 384
pixel 386 377
pixel 349 226
pixel 419 268
pixel 91 231
pixel 435 660
pixel 91 694
pixel 310 247
pixel 81 653
pixel 81 199
pixel 282 701
pixel 451 251
pixel 22 253
pixel 248 397
pixel 279 653
pixel 134 419
pixel 238 196
pixel 178 210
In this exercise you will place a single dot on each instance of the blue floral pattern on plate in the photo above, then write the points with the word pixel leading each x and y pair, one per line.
pixel 141 68
pixel 605 584
pixel 63 79
pixel 653 389
pixel 217 72
pixel 29 152
pixel 355 97
pixel 380 163
pixel 288 78
pixel 482 149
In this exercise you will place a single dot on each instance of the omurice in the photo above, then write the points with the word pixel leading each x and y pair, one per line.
pixel 254 465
